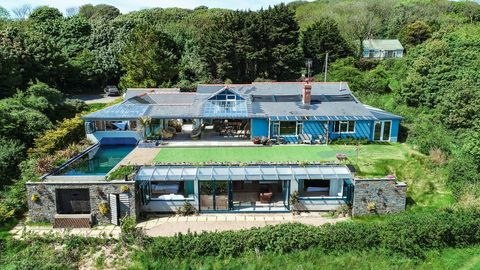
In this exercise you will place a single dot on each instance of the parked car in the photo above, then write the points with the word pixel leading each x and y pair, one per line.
pixel 111 90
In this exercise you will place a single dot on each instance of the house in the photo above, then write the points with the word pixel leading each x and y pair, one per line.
pixel 293 112
pixel 77 194
pixel 382 48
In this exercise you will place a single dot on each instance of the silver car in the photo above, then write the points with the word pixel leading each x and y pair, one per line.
pixel 111 90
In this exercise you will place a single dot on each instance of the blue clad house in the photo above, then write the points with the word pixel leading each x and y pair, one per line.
pixel 291 112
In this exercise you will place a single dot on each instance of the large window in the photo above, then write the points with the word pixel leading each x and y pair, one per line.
pixel 314 188
pixel 287 128
pixel 172 190
pixel 344 126
pixel 112 126
pixel 73 201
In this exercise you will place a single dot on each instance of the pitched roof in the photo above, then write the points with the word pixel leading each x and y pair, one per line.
pixel 382 44
pixel 330 101
pixel 132 92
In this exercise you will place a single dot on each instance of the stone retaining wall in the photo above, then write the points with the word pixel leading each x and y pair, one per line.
pixel 378 196
pixel 44 208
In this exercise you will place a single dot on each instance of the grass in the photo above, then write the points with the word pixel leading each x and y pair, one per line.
pixel 300 153
pixel 426 182
pixel 466 258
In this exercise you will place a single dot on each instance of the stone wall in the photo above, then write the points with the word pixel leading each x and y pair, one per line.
pixel 378 196
pixel 44 208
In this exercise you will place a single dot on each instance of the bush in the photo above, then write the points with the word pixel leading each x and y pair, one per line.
pixel 122 172
pixel 186 209
pixel 130 234
pixel 408 234
pixel 11 154
pixel 350 141
pixel 69 131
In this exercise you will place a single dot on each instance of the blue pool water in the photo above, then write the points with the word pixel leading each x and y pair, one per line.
pixel 100 162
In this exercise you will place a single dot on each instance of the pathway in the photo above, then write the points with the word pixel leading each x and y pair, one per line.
pixel 169 225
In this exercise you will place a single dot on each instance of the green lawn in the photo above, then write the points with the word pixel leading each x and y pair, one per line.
pixel 426 183
pixel 301 153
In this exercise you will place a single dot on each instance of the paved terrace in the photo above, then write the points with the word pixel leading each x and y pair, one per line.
pixel 170 225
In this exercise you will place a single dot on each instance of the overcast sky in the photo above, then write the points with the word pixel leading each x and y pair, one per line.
pixel 129 5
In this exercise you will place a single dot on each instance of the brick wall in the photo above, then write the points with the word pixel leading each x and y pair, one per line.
pixel 45 208
pixel 378 196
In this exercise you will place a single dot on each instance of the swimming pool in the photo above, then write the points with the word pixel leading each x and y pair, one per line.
pixel 99 161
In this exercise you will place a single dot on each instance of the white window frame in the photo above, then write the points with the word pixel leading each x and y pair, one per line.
pixel 277 128
pixel 382 129
pixel 348 127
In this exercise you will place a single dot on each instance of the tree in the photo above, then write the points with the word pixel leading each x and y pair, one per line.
pixel 320 38
pixel 12 152
pixel 21 123
pixel 460 106
pixel 149 59
pixel 415 33
pixel 99 12
pixel 45 14
pixel 280 33
pixel 358 21
pixel 12 59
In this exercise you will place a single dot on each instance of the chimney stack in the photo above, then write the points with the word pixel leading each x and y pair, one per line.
pixel 307 93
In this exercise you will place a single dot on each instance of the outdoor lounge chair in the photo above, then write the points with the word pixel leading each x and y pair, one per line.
pixel 305 138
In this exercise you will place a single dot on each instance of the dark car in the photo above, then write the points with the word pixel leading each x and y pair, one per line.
pixel 111 90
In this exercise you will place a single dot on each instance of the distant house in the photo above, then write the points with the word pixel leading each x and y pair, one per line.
pixel 382 48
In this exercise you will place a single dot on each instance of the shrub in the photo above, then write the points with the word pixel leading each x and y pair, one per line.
pixel 103 208
pixel 186 209
pixel 350 141
pixel 408 234
pixel 129 231
pixel 121 172
pixel 69 131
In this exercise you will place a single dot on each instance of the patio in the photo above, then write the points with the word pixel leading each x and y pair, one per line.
pixel 169 225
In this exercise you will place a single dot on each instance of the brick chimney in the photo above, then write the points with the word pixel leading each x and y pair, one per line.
pixel 307 93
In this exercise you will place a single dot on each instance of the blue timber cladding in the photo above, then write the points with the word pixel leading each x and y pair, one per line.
pixel 395 129
pixel 363 130
pixel 259 127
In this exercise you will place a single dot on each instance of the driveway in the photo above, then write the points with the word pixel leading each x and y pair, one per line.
pixel 95 98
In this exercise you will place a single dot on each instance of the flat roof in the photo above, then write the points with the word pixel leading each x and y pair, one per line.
pixel 242 173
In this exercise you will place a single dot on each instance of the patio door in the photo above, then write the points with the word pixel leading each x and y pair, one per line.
pixel 215 195
pixel 382 130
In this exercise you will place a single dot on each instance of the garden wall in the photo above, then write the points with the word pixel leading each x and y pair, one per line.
pixel 44 207
pixel 378 196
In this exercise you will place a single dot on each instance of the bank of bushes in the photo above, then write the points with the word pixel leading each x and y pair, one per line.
pixel 409 234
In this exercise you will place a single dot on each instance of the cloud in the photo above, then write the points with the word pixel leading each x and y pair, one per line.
pixel 130 5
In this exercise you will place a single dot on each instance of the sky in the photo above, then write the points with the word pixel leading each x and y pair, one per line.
pixel 130 5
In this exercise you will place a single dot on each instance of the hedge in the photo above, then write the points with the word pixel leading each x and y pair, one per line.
pixel 68 131
pixel 410 234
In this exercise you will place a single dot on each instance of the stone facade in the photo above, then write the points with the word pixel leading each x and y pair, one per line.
pixel 44 207
pixel 378 196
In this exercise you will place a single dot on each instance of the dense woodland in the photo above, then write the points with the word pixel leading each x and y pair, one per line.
pixel 47 56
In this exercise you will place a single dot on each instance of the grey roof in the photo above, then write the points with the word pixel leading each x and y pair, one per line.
pixel 382 44
pixel 132 92
pixel 278 88
pixel 330 101
pixel 239 173
pixel 381 114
